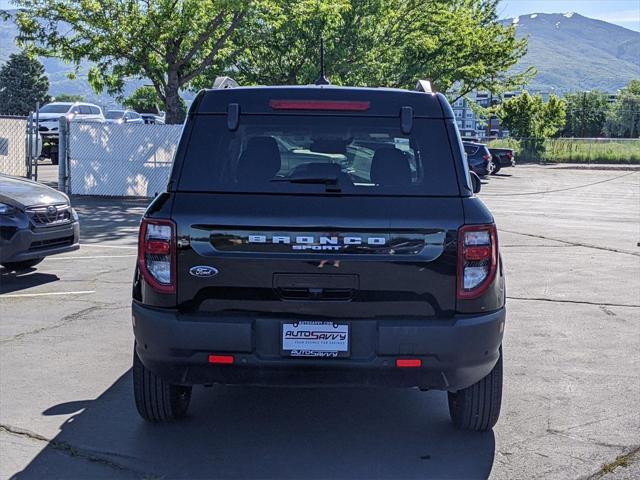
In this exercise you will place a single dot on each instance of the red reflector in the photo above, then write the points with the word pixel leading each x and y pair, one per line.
pixel 477 253
pixel 319 105
pixel 487 157
pixel 408 362
pixel 223 359
pixel 157 247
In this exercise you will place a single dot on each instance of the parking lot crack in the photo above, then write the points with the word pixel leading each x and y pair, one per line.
pixel 69 449
pixel 62 322
pixel 579 302
pixel 623 460
pixel 579 438
pixel 575 244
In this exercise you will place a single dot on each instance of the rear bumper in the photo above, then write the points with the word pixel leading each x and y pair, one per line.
pixel 506 162
pixel 455 353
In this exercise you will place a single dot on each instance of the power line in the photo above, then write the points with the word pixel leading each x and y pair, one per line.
pixel 558 190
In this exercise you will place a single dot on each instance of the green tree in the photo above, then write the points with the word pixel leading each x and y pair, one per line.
pixel 285 51
pixel 552 118
pixel 23 83
pixel 624 117
pixel 586 114
pixel 455 43
pixel 68 97
pixel 532 119
pixel 528 115
pixel 169 42
pixel 145 100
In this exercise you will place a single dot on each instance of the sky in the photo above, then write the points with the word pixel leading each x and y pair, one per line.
pixel 625 13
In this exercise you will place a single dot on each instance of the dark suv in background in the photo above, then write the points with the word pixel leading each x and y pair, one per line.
pixel 479 158
pixel 319 235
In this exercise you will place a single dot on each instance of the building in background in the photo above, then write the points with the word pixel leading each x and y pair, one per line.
pixel 470 123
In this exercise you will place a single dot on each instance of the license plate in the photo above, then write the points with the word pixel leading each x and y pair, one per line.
pixel 315 339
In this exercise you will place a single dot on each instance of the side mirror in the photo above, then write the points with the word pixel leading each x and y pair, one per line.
pixel 475 182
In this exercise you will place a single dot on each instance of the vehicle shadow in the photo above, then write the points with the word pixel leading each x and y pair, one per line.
pixel 252 432
pixel 106 218
pixel 502 175
pixel 12 281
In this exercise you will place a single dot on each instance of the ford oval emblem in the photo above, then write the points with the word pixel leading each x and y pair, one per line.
pixel 203 271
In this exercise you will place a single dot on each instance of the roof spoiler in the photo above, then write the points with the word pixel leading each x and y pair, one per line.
pixel 424 86
pixel 225 82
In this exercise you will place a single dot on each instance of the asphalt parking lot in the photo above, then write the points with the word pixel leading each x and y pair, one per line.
pixel 572 363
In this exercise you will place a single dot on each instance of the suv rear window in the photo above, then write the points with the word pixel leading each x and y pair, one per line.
pixel 306 153
pixel 470 149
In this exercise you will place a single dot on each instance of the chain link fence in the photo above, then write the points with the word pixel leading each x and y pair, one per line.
pixel 573 150
pixel 13 146
pixel 132 160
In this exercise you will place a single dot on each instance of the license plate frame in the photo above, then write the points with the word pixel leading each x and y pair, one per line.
pixel 315 339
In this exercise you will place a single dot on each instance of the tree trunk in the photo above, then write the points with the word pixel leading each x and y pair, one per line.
pixel 172 99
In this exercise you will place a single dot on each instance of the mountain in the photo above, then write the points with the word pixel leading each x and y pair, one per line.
pixel 572 52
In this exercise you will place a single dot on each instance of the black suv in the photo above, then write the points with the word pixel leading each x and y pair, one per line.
pixel 479 158
pixel 319 235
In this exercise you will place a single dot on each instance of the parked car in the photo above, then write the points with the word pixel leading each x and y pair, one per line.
pixel 35 221
pixel 123 116
pixel 268 262
pixel 479 158
pixel 49 116
pixel 502 157
pixel 152 119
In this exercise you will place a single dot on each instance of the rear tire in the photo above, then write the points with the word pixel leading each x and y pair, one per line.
pixel 24 265
pixel 496 169
pixel 477 408
pixel 156 400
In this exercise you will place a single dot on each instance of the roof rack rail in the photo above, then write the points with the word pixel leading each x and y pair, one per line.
pixel 424 86
pixel 225 82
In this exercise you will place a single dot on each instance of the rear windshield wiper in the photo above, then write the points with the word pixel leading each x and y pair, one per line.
pixel 331 182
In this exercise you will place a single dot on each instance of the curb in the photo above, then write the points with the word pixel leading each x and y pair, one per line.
pixel 616 168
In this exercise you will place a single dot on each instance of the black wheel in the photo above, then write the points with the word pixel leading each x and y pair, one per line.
pixel 24 265
pixel 477 407
pixel 496 169
pixel 156 400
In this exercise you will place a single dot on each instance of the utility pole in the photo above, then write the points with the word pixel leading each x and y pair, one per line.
pixel 584 108
pixel 490 114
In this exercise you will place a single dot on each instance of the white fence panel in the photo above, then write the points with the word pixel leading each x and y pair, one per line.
pixel 132 160
pixel 13 142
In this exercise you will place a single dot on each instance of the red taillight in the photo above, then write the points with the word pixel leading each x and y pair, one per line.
pixel 157 247
pixel 157 254
pixel 221 359
pixel 343 105
pixel 486 157
pixel 408 363
pixel 477 253
pixel 477 259
pixel 509 155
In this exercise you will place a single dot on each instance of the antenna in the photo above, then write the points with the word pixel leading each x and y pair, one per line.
pixel 322 80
